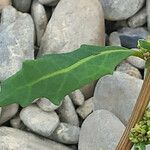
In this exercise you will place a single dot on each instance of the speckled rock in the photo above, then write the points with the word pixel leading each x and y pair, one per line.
pixel 15 139
pixel 120 9
pixel 41 122
pixel 117 93
pixel 101 129
pixel 66 133
pixel 67 112
pixel 16 41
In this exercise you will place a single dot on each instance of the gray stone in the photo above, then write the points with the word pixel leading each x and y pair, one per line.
pixel 22 5
pixel 4 3
pixel 120 9
pixel 16 41
pixel 136 61
pixel 87 108
pixel 101 129
pixel 49 2
pixel 41 122
pixel 148 14
pixel 140 32
pixel 8 112
pixel 46 105
pixel 114 39
pixel 66 133
pixel 16 122
pixel 40 19
pixel 67 112
pixel 139 19
pixel 77 97
pixel 15 139
pixel 127 68
pixel 118 94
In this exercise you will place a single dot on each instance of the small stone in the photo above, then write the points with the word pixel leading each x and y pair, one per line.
pixel 67 112
pixel 8 112
pixel 46 105
pixel 4 3
pixel 66 133
pixel 16 41
pixel 127 68
pixel 40 19
pixel 129 41
pixel 41 122
pixel 120 9
pixel 117 93
pixel 136 61
pixel 87 108
pixel 15 139
pixel 77 97
pixel 49 2
pixel 114 39
pixel 131 32
pixel 148 14
pixel 101 129
pixel 16 122
pixel 22 5
pixel 139 19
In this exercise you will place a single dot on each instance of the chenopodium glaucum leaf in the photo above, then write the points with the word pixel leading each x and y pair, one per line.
pixel 56 75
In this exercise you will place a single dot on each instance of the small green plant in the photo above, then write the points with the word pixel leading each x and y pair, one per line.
pixel 55 76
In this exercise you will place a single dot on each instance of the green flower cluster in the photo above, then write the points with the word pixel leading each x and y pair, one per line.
pixel 141 132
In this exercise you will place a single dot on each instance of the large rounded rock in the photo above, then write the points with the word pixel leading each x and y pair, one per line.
pixel 16 41
pixel 120 9
pixel 118 94
pixel 101 129
pixel 72 24
pixel 14 139
pixel 41 122
pixel 148 14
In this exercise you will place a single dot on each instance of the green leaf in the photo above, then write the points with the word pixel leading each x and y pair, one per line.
pixel 140 146
pixel 56 75
pixel 142 44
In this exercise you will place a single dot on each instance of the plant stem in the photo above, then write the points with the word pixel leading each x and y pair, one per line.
pixel 137 114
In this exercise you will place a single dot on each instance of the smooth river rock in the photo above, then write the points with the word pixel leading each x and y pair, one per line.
pixel 120 9
pixel 40 19
pixel 39 121
pixel 4 3
pixel 101 129
pixel 117 93
pixel 14 139
pixel 148 14
pixel 67 112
